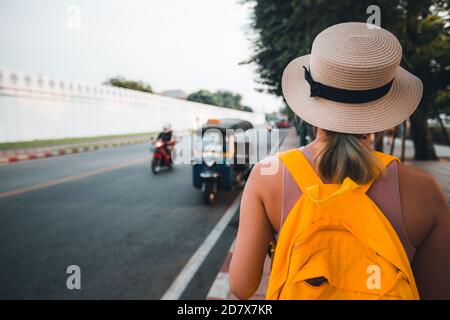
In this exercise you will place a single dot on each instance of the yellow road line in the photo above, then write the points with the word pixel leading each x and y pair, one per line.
pixel 54 182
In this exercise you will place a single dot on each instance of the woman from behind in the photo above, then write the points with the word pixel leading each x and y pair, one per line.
pixel 349 86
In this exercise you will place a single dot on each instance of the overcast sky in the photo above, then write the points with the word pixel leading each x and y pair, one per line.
pixel 171 44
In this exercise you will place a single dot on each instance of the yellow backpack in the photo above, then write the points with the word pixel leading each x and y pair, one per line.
pixel 337 244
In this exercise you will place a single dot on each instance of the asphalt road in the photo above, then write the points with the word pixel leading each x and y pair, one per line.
pixel 129 231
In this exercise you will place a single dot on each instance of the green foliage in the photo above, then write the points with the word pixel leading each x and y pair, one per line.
pixel 205 96
pixel 229 99
pixel 437 135
pixel 442 101
pixel 121 82
pixel 73 141
pixel 221 98
pixel 285 29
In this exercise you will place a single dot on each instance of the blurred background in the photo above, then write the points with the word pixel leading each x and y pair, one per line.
pixel 95 97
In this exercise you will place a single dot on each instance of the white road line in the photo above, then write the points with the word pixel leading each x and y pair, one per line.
pixel 184 278
pixel 187 273
pixel 220 288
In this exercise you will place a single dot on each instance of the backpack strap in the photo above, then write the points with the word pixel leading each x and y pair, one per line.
pixel 305 176
pixel 385 159
pixel 299 168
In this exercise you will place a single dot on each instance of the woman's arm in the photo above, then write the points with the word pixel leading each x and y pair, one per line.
pixel 431 264
pixel 254 235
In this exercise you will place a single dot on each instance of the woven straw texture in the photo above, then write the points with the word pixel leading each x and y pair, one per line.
pixel 353 56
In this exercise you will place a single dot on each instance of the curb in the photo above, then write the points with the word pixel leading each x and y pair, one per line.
pixel 32 155
pixel 38 153
pixel 220 289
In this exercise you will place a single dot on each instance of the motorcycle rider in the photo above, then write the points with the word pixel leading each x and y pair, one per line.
pixel 168 137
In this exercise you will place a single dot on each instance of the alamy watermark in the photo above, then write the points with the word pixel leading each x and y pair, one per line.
pixel 73 281
pixel 374 19
pixel 374 279
pixel 215 146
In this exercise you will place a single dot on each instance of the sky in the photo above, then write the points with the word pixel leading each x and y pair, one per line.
pixel 171 44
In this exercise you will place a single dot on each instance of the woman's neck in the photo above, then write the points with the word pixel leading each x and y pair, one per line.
pixel 321 135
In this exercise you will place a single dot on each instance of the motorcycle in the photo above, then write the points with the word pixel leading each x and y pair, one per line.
pixel 161 157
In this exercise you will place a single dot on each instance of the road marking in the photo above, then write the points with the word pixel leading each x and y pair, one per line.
pixel 220 289
pixel 72 178
pixel 187 273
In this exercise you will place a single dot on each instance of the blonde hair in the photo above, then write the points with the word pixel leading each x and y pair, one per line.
pixel 344 155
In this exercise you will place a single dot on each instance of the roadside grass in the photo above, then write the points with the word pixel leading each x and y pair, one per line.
pixel 69 141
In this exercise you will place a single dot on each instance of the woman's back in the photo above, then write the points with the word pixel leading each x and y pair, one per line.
pixel 425 217
pixel 384 192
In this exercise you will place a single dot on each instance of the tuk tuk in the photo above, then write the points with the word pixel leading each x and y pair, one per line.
pixel 222 158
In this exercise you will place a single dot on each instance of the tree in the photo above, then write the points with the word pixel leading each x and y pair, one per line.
pixel 121 82
pixel 221 98
pixel 426 44
pixel 286 29
pixel 204 96
pixel 229 99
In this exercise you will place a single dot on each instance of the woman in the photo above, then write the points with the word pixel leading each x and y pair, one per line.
pixel 349 86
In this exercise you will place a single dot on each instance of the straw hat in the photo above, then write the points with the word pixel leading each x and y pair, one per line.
pixel 352 81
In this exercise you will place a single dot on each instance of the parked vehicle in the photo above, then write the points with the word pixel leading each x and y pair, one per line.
pixel 282 124
pixel 223 161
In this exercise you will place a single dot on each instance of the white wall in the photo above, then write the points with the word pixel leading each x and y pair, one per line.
pixel 38 107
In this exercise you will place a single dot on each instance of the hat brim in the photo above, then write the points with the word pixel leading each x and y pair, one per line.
pixel 375 116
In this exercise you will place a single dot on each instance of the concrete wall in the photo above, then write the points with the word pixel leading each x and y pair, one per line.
pixel 39 107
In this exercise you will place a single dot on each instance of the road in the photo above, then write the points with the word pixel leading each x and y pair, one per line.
pixel 129 231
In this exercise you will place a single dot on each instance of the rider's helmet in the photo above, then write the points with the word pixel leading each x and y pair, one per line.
pixel 167 127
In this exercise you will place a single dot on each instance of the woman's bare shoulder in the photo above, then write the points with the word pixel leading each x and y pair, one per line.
pixel 419 184
pixel 266 182
pixel 267 174
pixel 423 201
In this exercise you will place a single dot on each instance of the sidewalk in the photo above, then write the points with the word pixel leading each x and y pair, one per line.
pixel 440 169
pixel 442 151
